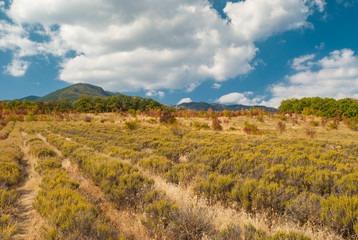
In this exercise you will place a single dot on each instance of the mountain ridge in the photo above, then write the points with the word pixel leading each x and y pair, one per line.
pixel 75 91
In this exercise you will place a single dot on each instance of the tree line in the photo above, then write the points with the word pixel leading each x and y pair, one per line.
pixel 85 104
pixel 322 107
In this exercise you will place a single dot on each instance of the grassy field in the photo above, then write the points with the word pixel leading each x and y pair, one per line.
pixel 109 176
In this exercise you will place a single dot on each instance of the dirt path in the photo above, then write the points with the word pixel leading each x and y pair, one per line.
pixel 29 221
pixel 129 222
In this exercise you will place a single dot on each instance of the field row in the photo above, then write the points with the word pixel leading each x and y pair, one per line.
pixel 306 181
pixel 171 166
pixel 11 175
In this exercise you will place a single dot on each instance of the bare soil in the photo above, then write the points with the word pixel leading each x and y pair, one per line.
pixel 29 220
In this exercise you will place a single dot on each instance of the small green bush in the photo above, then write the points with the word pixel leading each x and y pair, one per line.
pixel 191 223
pixel 231 232
pixel 200 126
pixel 251 233
pixel 131 125
pixel 289 236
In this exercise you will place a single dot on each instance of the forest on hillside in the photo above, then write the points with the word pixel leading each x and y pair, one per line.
pixel 322 107
pixel 85 104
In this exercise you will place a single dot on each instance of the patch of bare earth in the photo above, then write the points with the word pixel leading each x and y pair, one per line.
pixel 29 220
pixel 128 222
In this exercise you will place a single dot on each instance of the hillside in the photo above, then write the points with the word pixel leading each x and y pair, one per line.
pixel 198 106
pixel 30 98
pixel 75 91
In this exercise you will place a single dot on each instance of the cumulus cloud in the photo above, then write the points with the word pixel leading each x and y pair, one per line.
pixel 17 68
pixel 185 100
pixel 334 76
pixel 258 19
pixel 151 44
pixel 239 98
pixel 15 38
pixel 302 63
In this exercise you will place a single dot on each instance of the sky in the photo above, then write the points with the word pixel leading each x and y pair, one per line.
pixel 251 52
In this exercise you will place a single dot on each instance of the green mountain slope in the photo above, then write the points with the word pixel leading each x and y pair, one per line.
pixel 74 92
pixel 30 98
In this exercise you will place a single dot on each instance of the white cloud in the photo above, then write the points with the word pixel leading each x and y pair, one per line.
pixel 216 86
pixel 302 63
pixel 239 98
pixel 17 68
pixel 334 76
pixel 258 19
pixel 15 38
pixel 151 44
pixel 184 100
pixel 153 93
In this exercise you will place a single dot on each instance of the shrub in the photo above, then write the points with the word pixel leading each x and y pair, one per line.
pixel 352 125
pixel 70 214
pixel 260 119
pixel 281 127
pixel 183 173
pixel 216 187
pixel 88 119
pixel 158 217
pixel 314 123
pixel 159 165
pixel 289 236
pixel 251 233
pixel 341 214
pixel 191 223
pixel 7 198
pixel 305 208
pixel 132 125
pixel 200 126
pixel 216 125
pixel 7 228
pixel 11 174
pixel 333 125
pixel 167 117
pixel 324 122
pixel 273 197
pixel 348 185
pixel 231 232
pixel 178 131
pixel 244 194
pixel 310 132
pixel 251 129
pixel 30 117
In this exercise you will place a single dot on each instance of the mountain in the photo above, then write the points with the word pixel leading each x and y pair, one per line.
pixel 198 106
pixel 30 98
pixel 74 92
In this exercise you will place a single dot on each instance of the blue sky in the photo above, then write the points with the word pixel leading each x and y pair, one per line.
pixel 253 52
